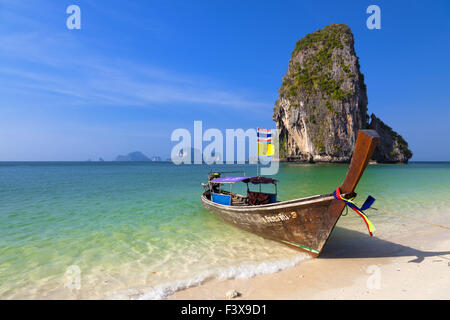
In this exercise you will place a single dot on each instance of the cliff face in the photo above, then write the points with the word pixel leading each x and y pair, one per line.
pixel 323 100
pixel 393 147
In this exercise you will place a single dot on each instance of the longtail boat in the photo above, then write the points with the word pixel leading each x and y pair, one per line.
pixel 304 223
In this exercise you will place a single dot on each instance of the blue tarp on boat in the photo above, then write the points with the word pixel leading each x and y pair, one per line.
pixel 221 199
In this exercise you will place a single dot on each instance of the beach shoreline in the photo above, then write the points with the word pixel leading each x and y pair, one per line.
pixel 410 265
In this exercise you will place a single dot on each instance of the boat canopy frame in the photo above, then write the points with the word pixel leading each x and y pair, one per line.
pixel 256 180
pixel 252 180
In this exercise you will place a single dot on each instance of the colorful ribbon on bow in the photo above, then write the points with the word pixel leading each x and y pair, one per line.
pixel 367 204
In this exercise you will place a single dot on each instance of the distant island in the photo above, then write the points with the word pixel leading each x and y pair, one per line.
pixel 137 156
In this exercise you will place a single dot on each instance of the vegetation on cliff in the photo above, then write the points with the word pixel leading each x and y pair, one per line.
pixel 314 74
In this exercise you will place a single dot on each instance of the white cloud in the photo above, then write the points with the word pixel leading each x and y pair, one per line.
pixel 37 60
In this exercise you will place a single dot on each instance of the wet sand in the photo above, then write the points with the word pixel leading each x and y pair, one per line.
pixel 412 265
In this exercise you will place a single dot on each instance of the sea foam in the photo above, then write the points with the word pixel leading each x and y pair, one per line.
pixel 242 271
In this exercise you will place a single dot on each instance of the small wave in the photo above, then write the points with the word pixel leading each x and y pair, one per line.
pixel 245 270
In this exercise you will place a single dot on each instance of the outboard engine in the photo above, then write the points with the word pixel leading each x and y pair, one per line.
pixel 213 175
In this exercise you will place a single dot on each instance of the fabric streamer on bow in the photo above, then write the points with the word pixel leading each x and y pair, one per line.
pixel 367 204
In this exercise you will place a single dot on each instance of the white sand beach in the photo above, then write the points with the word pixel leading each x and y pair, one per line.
pixel 412 265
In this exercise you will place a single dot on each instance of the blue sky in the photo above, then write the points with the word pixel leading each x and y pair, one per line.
pixel 137 70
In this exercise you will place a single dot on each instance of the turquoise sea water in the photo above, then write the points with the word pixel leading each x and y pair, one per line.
pixel 138 230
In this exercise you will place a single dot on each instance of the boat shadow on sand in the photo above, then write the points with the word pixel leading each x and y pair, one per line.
pixel 346 243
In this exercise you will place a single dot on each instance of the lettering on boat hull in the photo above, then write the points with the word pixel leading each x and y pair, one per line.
pixel 278 217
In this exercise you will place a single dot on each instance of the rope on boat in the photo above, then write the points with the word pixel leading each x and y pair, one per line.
pixel 346 212
pixel 414 219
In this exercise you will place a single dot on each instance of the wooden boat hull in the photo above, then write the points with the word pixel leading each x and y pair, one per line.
pixel 305 223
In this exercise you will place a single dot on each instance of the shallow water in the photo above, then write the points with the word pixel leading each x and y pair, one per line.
pixel 138 230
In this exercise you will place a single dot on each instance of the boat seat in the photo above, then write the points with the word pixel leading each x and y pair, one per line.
pixel 257 198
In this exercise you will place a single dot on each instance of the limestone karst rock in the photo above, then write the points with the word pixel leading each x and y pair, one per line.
pixel 323 102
